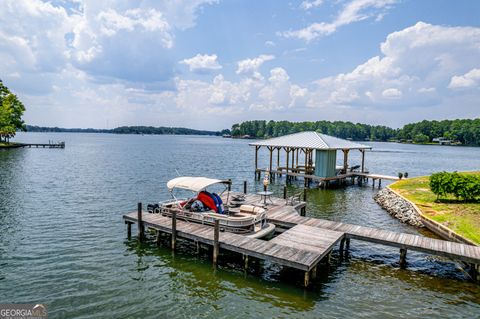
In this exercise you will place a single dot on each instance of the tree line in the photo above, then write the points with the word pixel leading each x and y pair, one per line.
pixel 11 111
pixel 465 131
pixel 126 130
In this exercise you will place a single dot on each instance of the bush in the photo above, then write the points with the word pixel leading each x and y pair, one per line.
pixel 466 187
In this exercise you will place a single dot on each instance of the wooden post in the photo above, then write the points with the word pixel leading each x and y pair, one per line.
pixel 197 245
pixel 256 159
pixel 140 222
pixel 363 160
pixel 303 211
pixel 306 279
pixel 244 187
pixel 158 238
pixel 129 229
pixel 474 272
pixel 245 260
pixel 287 162
pixel 278 158
pixel 285 192
pixel 271 157
pixel 403 258
pixel 305 184
pixel 174 229
pixel 216 235
pixel 379 183
pixel 296 158
pixel 314 272
pixel 345 160
pixel 342 244
pixel 373 182
pixel 293 160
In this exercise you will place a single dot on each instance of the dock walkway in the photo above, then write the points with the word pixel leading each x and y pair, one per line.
pixel 287 216
pixel 280 250
pixel 304 242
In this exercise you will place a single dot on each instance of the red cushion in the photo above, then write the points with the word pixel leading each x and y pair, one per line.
pixel 207 200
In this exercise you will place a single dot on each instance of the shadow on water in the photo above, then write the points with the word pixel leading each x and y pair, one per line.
pixel 263 281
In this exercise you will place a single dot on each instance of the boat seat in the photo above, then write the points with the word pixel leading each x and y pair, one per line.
pixel 251 209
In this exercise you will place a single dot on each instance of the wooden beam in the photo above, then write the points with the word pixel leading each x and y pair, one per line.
pixel 363 160
pixel 293 159
pixel 278 157
pixel 345 160
pixel 288 153
pixel 403 258
pixel 256 158
pixel 306 279
pixel 174 229
pixel 140 222
pixel 271 157
pixel 306 169
pixel 296 159
pixel 216 236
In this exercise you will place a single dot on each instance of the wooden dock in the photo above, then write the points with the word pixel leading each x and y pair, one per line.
pixel 304 242
pixel 325 180
pixel 37 145
pixel 286 249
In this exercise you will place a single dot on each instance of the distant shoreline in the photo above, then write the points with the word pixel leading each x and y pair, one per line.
pixel 136 130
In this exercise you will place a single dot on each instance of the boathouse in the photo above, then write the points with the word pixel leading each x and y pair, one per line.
pixel 311 155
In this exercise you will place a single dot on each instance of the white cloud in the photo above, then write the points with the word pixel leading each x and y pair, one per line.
pixel 418 64
pixel 392 93
pixel 309 4
pixel 270 44
pixel 202 63
pixel 109 40
pixel 468 80
pixel 354 11
pixel 252 65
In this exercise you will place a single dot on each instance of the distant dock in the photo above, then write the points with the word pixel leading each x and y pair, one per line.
pixel 36 145
pixel 302 241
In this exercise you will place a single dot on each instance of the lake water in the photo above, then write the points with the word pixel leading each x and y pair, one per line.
pixel 63 241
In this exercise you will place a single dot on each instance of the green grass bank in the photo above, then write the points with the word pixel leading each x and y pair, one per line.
pixel 462 218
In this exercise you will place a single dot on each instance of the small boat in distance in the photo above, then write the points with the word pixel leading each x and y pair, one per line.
pixel 205 207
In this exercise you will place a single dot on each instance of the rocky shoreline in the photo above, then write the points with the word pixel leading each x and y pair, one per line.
pixel 398 207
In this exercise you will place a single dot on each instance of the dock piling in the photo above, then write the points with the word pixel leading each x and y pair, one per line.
pixel 174 229
pixel 306 279
pixel 129 229
pixel 342 245
pixel 244 187
pixel 216 235
pixel 285 192
pixel 403 258
pixel 141 229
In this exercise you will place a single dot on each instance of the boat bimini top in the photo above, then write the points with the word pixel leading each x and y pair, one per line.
pixel 195 184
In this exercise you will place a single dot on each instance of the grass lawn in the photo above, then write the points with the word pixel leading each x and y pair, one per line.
pixel 463 218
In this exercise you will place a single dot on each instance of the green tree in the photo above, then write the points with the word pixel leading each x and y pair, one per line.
pixel 11 112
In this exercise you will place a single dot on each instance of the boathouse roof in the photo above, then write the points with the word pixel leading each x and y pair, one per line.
pixel 311 140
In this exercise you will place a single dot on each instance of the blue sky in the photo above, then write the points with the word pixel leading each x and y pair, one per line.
pixel 208 64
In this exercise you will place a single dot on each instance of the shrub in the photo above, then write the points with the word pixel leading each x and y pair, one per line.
pixel 462 186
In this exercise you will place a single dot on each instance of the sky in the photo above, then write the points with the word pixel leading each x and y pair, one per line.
pixel 208 64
